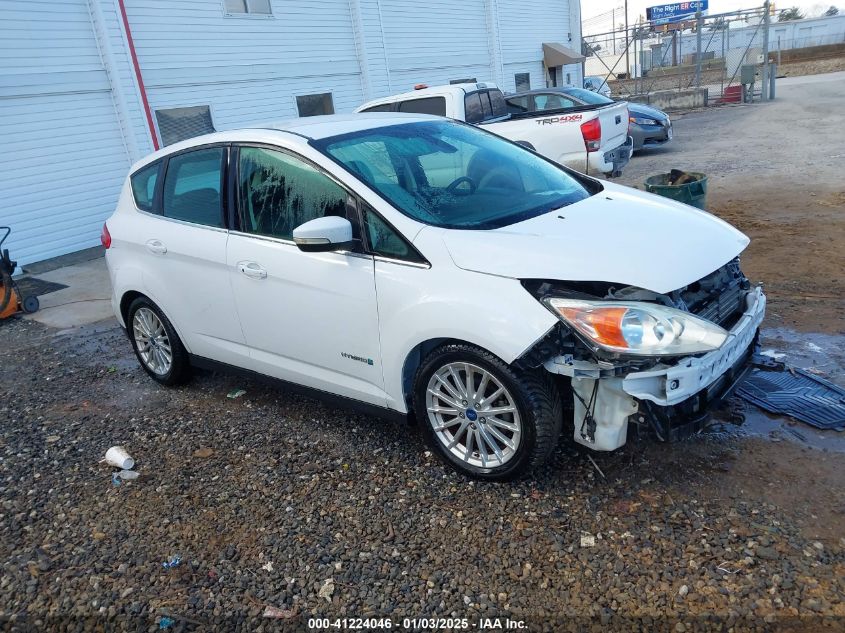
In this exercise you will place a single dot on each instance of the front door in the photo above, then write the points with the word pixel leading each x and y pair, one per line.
pixel 309 318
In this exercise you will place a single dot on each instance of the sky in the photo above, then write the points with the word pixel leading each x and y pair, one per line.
pixel 596 16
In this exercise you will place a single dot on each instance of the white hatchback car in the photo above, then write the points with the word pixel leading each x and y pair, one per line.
pixel 412 264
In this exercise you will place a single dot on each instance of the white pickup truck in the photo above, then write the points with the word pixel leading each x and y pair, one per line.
pixel 592 140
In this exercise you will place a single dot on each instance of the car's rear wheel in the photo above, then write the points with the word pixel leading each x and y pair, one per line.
pixel 481 416
pixel 156 344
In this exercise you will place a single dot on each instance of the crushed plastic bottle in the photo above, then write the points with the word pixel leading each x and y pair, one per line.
pixel 173 562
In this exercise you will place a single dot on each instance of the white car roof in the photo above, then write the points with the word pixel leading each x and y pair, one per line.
pixel 431 91
pixel 311 128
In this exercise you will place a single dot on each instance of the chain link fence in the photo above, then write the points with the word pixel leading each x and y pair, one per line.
pixel 720 52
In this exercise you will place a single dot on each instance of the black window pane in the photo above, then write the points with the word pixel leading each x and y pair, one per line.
pixel 178 124
pixel 279 192
pixel 523 81
pixel 235 6
pixel 472 106
pixel 486 109
pixel 466 80
pixel 192 187
pixel 315 105
pixel 497 101
pixel 144 186
pixel 517 105
pixel 259 7
pixel 428 105
pixel 384 107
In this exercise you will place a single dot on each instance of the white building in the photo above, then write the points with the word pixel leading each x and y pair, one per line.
pixel 89 86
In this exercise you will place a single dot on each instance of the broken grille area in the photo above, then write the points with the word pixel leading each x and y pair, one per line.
pixel 719 297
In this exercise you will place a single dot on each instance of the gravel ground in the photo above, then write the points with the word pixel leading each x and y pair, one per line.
pixel 317 511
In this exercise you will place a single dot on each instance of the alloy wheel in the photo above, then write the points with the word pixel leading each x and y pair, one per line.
pixel 473 415
pixel 151 341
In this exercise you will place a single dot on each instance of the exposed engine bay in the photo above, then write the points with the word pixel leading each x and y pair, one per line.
pixel 673 395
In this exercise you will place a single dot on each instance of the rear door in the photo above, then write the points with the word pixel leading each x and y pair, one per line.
pixel 181 237
pixel 308 318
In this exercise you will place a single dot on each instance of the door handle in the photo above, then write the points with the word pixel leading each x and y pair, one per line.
pixel 252 270
pixel 156 246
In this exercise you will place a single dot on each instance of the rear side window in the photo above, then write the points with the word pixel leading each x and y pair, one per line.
pixel 517 105
pixel 144 186
pixel 384 107
pixel 193 186
pixel 427 105
pixel 484 105
pixel 472 108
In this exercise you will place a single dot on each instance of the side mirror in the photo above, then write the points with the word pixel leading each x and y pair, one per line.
pixel 329 233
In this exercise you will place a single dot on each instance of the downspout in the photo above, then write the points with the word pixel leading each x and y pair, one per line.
pixel 101 35
pixel 361 48
pixel 384 47
pixel 143 91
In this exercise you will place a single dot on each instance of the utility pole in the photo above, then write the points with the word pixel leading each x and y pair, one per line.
pixel 699 23
pixel 613 27
pixel 627 60
pixel 764 93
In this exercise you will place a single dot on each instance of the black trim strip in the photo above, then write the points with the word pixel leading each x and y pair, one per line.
pixel 318 394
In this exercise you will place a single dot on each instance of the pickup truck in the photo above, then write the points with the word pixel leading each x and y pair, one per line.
pixel 592 140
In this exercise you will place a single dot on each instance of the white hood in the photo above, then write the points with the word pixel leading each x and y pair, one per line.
pixel 621 236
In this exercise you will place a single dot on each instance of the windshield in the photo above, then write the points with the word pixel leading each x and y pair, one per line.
pixel 588 96
pixel 453 175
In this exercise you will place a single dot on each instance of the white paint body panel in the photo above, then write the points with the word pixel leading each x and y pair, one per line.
pixel 318 319
pixel 621 236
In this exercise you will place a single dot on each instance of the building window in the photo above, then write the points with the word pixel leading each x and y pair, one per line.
pixel 247 7
pixel 468 80
pixel 178 124
pixel 523 81
pixel 314 105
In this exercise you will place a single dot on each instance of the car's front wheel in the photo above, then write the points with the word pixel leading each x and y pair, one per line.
pixel 483 417
pixel 156 344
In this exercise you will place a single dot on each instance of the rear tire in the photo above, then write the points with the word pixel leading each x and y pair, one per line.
pixel 156 344
pixel 514 417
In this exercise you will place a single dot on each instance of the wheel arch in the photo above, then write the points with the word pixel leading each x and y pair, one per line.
pixel 414 359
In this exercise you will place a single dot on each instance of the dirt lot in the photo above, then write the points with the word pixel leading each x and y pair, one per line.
pixel 318 511
pixel 775 171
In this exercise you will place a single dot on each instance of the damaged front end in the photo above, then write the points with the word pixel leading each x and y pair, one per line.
pixel 636 356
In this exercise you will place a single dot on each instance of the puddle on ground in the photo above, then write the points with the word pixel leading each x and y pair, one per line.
pixel 821 354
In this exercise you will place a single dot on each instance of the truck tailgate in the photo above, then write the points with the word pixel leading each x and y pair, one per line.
pixel 614 124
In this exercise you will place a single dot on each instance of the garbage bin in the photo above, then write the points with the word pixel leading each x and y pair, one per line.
pixel 693 193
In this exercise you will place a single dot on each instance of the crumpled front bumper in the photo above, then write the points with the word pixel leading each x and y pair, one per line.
pixel 666 386
pixel 613 397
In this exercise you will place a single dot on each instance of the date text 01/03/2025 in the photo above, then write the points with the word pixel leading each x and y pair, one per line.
pixel 448 624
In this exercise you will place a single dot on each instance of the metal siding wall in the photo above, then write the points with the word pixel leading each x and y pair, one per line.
pixel 249 69
pixel 436 43
pixel 64 157
pixel 524 26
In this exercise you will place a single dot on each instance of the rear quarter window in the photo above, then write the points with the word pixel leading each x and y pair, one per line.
pixel 143 184
pixel 426 105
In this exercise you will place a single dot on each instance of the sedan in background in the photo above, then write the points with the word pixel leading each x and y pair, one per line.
pixel 648 126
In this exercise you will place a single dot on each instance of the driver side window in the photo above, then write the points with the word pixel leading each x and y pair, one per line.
pixel 278 192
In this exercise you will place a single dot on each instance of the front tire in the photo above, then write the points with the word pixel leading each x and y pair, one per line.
pixel 156 344
pixel 482 417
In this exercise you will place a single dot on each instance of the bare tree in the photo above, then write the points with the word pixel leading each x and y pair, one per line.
pixel 792 13
pixel 832 11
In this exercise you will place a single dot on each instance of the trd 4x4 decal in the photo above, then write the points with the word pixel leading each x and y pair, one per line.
pixel 568 118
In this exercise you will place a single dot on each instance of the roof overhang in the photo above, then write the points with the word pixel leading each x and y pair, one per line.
pixel 555 54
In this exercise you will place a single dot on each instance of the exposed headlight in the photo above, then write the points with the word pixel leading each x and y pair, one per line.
pixel 643 329
pixel 642 121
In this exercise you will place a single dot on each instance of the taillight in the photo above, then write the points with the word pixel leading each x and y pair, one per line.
pixel 591 131
pixel 105 237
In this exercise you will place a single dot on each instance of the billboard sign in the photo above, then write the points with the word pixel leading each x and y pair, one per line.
pixel 674 12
